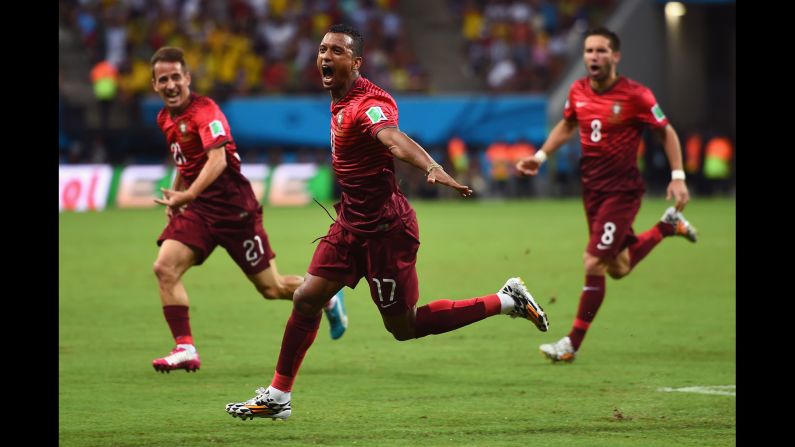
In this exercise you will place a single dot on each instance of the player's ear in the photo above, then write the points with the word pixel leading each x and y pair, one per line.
pixel 617 56
pixel 357 63
pixel 187 79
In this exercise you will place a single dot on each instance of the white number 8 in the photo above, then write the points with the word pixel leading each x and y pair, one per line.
pixel 596 135
pixel 607 236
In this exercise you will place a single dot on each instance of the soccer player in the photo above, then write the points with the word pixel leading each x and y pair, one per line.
pixel 611 111
pixel 210 203
pixel 375 235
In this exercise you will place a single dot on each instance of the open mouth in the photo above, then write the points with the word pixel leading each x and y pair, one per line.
pixel 327 72
pixel 172 98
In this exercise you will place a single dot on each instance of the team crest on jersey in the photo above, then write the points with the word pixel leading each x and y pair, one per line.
pixel 615 110
pixel 183 127
pixel 340 117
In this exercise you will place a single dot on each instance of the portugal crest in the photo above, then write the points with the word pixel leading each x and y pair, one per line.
pixel 615 116
pixel 340 117
pixel 183 128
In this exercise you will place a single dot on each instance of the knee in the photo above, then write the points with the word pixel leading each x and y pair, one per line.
pixel 166 273
pixel 307 303
pixel 271 291
pixel 402 332
pixel 618 271
pixel 593 265
pixel 402 335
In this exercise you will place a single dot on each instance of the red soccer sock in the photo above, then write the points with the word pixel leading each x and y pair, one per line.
pixel 592 295
pixel 179 323
pixel 442 316
pixel 299 335
pixel 665 228
pixel 645 243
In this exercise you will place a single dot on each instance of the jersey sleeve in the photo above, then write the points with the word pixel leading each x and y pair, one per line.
pixel 649 111
pixel 375 114
pixel 212 126
pixel 569 114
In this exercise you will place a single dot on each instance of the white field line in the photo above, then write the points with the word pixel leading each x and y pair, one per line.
pixel 723 390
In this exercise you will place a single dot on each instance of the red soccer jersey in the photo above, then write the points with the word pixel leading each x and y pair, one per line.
pixel 611 124
pixel 364 167
pixel 202 126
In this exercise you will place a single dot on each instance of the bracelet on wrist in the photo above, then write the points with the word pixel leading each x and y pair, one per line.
pixel 431 167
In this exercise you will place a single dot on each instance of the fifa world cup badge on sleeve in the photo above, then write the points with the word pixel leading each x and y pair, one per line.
pixel 217 129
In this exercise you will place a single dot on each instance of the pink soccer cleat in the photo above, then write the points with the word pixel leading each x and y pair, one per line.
pixel 182 357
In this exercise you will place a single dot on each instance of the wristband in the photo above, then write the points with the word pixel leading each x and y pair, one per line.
pixel 677 174
pixel 431 167
pixel 541 156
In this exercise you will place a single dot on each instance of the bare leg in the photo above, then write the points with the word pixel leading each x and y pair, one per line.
pixel 273 286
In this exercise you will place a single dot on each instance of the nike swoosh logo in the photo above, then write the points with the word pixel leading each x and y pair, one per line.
pixel 256 262
pixel 602 247
pixel 586 288
pixel 580 103
pixel 393 302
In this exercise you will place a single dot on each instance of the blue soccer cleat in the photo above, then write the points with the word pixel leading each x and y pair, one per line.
pixel 337 318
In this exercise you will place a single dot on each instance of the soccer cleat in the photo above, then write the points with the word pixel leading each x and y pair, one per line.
pixel 182 357
pixel 560 351
pixel 260 406
pixel 337 318
pixel 525 306
pixel 681 226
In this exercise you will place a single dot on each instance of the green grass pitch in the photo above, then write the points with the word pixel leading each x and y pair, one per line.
pixel 671 323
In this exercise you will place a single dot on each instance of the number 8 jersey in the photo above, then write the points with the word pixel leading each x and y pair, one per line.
pixel 611 124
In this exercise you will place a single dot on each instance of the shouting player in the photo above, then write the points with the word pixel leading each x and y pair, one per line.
pixel 611 112
pixel 376 235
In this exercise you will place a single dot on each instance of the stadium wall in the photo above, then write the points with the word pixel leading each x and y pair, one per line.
pixel 97 187
pixel 304 120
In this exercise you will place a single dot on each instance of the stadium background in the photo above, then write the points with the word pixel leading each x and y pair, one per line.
pixel 480 78
pixel 479 84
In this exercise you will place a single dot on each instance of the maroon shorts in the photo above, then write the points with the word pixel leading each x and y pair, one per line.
pixel 244 240
pixel 610 217
pixel 387 262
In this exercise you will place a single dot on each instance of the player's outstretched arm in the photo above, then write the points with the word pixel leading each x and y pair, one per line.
pixel 559 135
pixel 406 149
pixel 677 188
pixel 215 165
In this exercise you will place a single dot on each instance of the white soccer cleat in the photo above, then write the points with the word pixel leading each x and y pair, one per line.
pixel 263 405
pixel 525 306
pixel 681 226
pixel 182 357
pixel 560 351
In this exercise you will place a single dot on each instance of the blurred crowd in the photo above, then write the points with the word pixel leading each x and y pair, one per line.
pixel 241 47
pixel 256 47
pixel 523 45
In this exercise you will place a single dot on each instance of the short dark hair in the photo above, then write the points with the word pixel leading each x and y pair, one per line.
pixel 169 54
pixel 358 40
pixel 615 42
